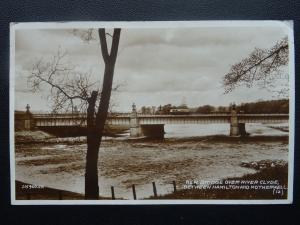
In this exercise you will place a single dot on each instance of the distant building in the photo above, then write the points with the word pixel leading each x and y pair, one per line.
pixel 180 111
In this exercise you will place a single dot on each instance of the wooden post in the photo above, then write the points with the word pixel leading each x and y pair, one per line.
pixel 154 189
pixel 112 193
pixel 60 195
pixel 174 185
pixel 134 193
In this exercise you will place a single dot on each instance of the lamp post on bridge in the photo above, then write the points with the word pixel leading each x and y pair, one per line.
pixel 135 129
pixel 28 118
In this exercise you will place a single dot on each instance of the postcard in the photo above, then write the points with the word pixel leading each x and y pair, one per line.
pixel 178 112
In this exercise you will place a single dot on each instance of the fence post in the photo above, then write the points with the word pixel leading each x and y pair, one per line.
pixel 174 185
pixel 112 192
pixel 154 189
pixel 60 195
pixel 134 193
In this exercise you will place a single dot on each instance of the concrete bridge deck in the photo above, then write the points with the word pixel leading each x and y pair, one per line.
pixel 80 119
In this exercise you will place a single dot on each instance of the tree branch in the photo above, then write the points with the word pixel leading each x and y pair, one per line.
pixel 103 43
pixel 260 65
pixel 261 61
pixel 115 44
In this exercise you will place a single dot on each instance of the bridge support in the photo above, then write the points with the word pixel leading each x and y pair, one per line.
pixel 149 130
pixel 234 123
pixel 24 121
pixel 236 128
pixel 135 128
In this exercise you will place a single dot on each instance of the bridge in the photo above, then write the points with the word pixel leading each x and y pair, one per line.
pixel 152 125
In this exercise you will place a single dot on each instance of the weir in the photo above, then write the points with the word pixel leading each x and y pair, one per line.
pixel 145 125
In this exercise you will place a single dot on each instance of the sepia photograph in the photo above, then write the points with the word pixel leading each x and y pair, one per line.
pixel 183 112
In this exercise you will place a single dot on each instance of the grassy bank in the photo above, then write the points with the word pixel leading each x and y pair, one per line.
pixel 39 136
pixel 214 139
pixel 25 191
pixel 279 173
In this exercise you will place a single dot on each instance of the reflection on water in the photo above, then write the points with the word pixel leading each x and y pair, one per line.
pixel 123 163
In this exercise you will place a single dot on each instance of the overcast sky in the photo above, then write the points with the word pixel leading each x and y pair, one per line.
pixel 154 66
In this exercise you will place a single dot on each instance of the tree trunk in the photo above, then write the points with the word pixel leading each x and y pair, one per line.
pixel 96 126
pixel 91 171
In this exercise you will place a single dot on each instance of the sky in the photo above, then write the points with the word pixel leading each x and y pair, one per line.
pixel 155 66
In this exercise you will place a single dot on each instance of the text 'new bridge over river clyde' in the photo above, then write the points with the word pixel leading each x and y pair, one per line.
pixel 152 125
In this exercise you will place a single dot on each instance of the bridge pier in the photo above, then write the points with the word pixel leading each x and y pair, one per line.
pixel 149 130
pixel 236 128
pixel 24 121
pixel 135 128
pixel 234 124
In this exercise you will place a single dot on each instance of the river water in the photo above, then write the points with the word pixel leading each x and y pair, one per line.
pixel 124 162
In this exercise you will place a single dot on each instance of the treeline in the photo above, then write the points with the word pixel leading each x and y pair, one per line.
pixel 271 106
pixel 259 107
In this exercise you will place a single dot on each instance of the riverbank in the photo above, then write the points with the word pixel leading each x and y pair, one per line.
pixel 281 128
pixel 39 136
pixel 268 183
pixel 277 175
pixel 60 162
pixel 25 191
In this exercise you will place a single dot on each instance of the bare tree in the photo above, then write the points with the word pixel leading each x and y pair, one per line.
pixel 262 66
pixel 69 89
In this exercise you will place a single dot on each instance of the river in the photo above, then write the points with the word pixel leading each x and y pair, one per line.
pixel 124 162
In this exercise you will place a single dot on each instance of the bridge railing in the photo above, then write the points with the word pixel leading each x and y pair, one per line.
pixel 126 115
